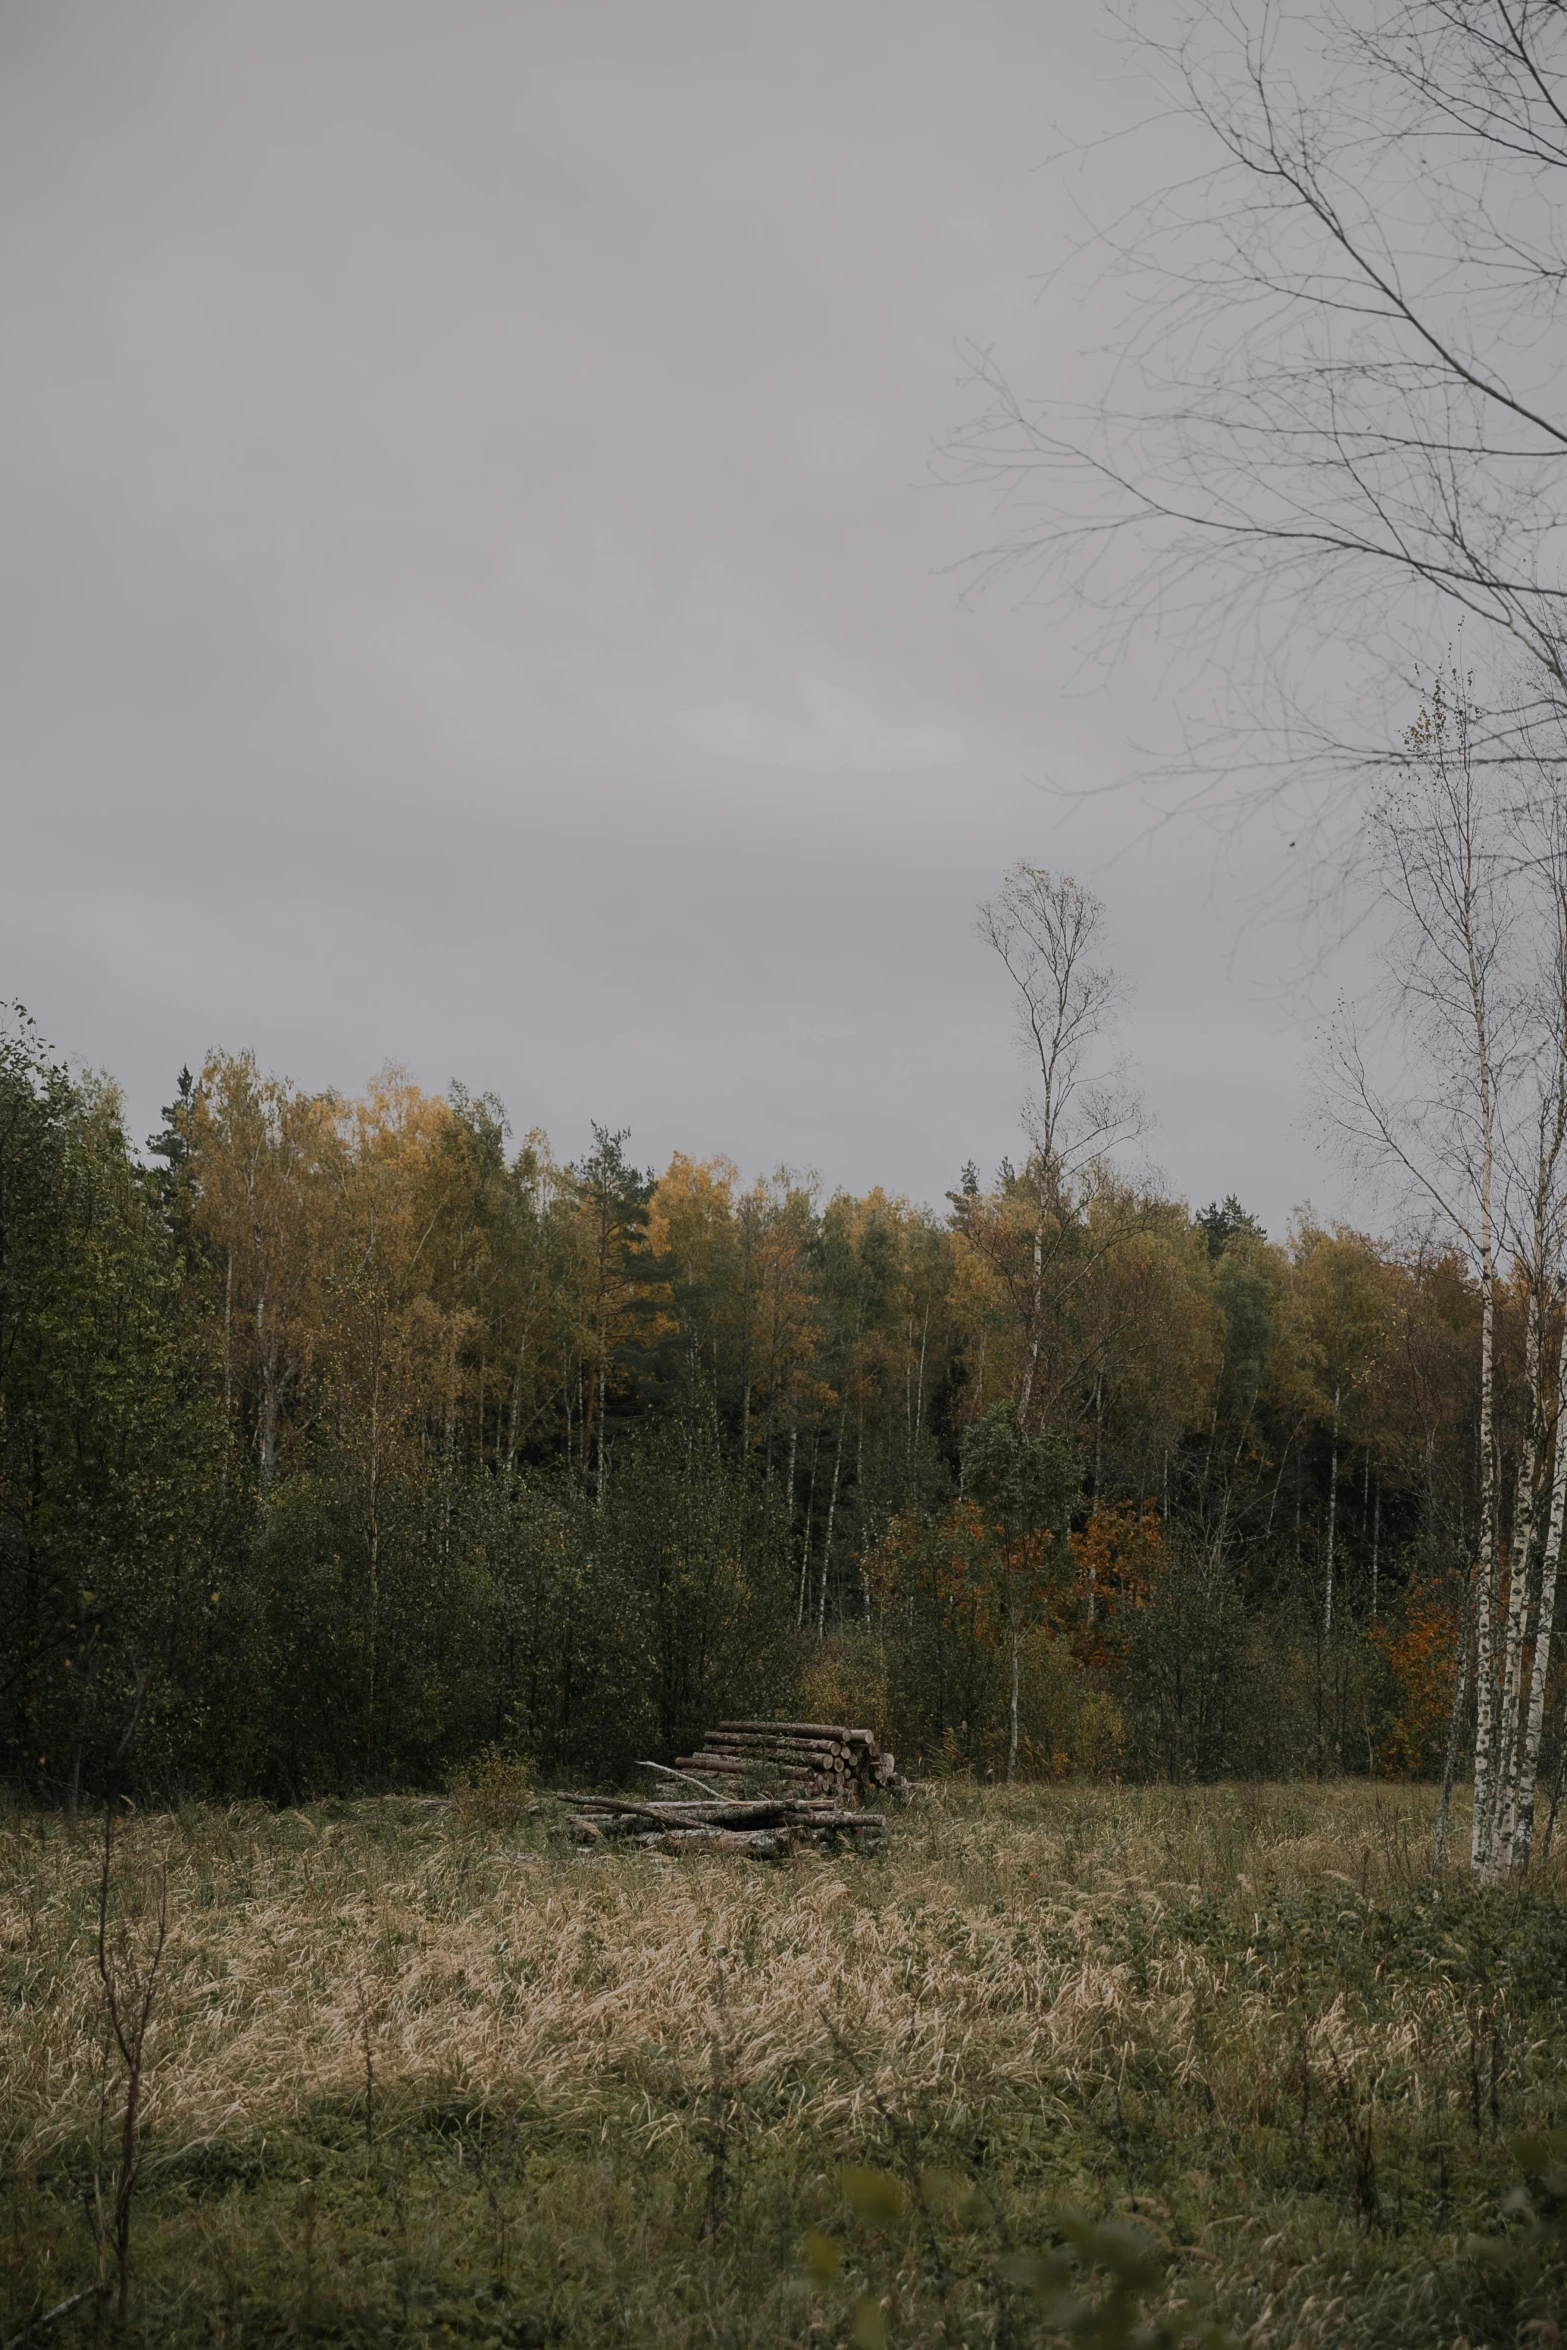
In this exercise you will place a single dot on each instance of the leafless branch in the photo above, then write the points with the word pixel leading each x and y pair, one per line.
pixel 1336 414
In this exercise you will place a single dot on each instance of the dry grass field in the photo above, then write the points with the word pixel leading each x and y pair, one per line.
pixel 416 2074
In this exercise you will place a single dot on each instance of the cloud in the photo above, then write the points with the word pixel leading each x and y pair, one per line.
pixel 837 734
pixel 475 690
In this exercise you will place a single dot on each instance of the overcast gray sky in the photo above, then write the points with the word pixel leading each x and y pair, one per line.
pixel 473 591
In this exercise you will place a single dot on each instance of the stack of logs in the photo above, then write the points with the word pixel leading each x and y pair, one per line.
pixel 764 1830
pixel 817 1758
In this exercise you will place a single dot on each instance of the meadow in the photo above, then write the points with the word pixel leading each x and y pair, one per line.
pixel 1060 2063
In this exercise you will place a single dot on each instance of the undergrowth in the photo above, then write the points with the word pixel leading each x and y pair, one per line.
pixel 1098 2065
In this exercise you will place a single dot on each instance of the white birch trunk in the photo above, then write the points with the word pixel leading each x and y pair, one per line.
pixel 1534 1720
pixel 1520 1562
pixel 1484 1822
pixel 805 1549
pixel 1480 1835
pixel 832 1511
pixel 1031 1363
pixel 1455 1727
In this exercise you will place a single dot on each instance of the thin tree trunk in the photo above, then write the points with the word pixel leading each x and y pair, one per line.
pixel 1207 1458
pixel 832 1508
pixel 228 1335
pixel 1534 1722
pixel 1327 1604
pixel 1031 1364
pixel 745 1343
pixel 1480 1837
pixel 449 1440
pixel 859 1495
pixel 805 1548
pixel 373 1547
pixel 1556 1798
pixel 1012 1715
pixel 1521 1561
pixel 516 1410
pixel 1273 1498
pixel 267 1414
pixel 908 1397
pixel 919 1386
pixel 1483 1825
pixel 1455 1727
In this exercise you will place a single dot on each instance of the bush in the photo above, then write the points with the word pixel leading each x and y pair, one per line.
pixel 845 1679
pixel 495 1792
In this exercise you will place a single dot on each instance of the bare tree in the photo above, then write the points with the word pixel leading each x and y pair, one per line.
pixel 1048 931
pixel 1473 860
pixel 1339 411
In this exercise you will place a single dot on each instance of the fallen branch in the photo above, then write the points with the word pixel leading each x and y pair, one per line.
pixel 762 1812
pixel 61 2309
pixel 668 1773
pixel 613 1803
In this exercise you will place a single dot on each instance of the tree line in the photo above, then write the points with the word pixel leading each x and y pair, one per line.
pixel 345 1439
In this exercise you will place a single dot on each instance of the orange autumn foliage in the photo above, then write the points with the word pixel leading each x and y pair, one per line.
pixel 1420 1654
pixel 956 1565
pixel 1117 1560
pixel 1090 1599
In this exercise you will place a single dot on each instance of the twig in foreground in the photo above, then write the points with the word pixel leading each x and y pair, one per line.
pixel 670 1773
pixel 60 2309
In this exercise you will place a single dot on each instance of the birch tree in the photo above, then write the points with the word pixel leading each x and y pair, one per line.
pixel 1047 931
pixel 1539 844
pixel 1339 1309
pixel 265 1160
pixel 1468 859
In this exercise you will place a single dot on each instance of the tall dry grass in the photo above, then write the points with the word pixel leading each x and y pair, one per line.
pixel 1072 1981
pixel 481 1963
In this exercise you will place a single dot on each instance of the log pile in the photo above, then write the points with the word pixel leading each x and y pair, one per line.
pixel 816 1758
pixel 766 1830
